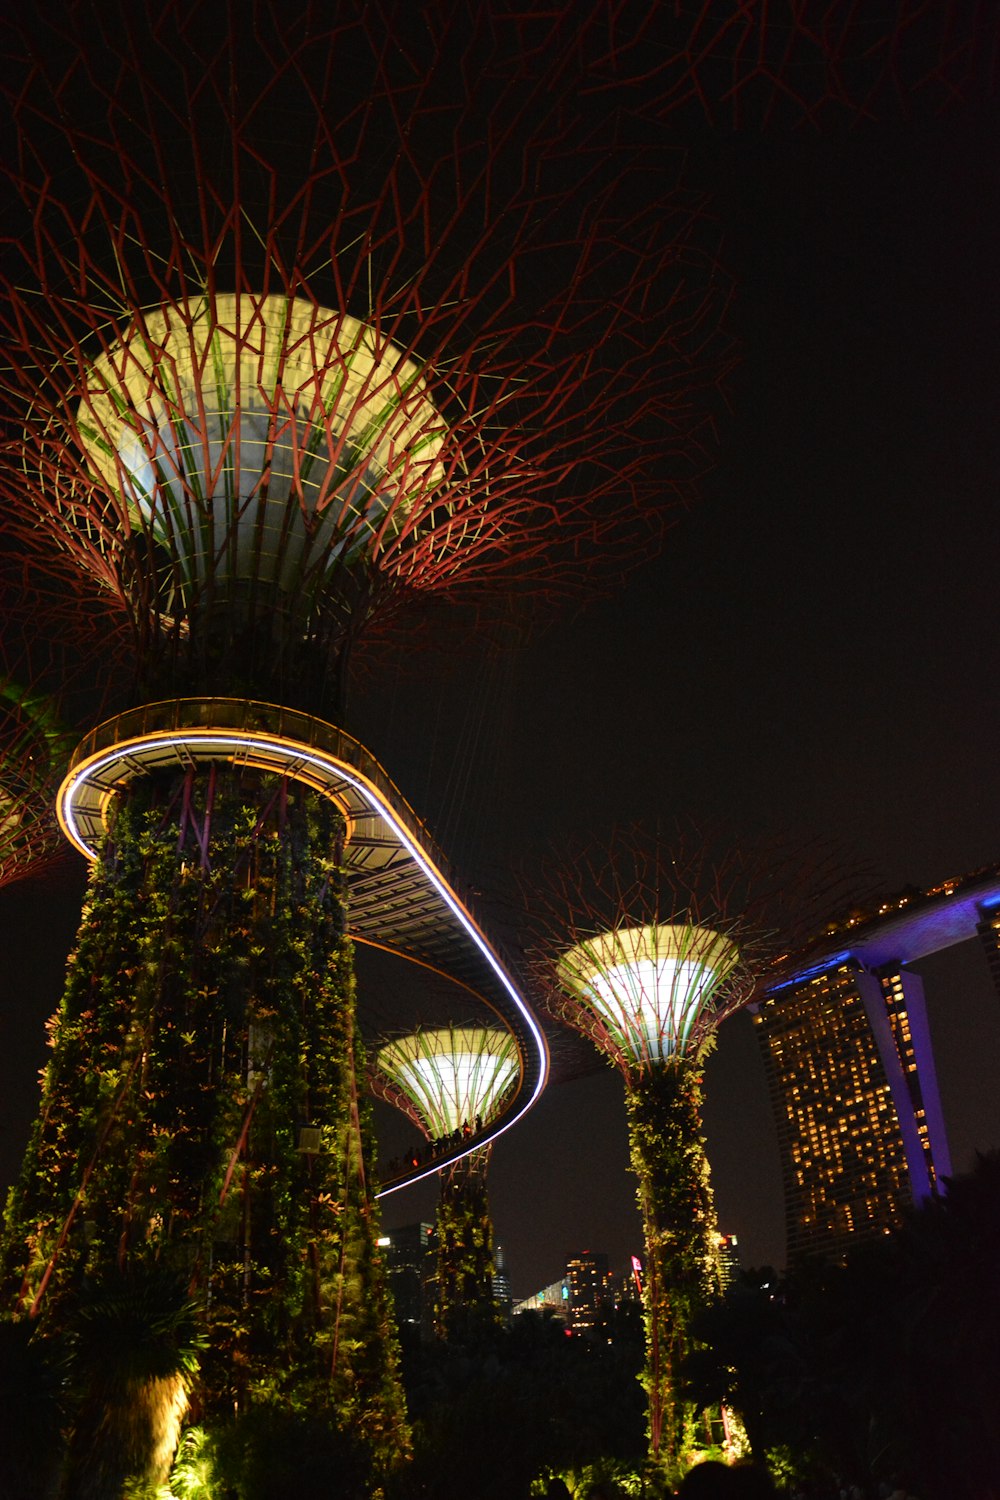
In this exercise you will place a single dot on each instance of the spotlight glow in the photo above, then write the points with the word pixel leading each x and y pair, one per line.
pixel 452 1076
pixel 261 435
pixel 649 984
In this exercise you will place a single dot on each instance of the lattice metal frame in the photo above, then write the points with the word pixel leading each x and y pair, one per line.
pixel 455 1078
pixel 652 893
pixel 549 337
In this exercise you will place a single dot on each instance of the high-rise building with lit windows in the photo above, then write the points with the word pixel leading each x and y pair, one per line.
pixel 728 1256
pixel 844 1167
pixel 410 1261
pixel 589 1281
pixel 502 1294
pixel 847 1053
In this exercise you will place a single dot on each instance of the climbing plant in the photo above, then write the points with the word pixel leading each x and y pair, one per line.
pixel 675 1199
pixel 200 1108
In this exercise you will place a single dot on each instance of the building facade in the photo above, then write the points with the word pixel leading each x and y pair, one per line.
pixel 502 1293
pixel 410 1258
pixel 590 1289
pixel 843 1158
pixel 728 1257
pixel 988 931
pixel 850 1068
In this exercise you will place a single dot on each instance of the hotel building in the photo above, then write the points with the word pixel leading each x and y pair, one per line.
pixel 847 1053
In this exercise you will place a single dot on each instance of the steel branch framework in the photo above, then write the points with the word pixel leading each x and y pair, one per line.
pixel 40 680
pixel 803 63
pixel 454 1079
pixel 32 743
pixel 374 304
pixel 645 943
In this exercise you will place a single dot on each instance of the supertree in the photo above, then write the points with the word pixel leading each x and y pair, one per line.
pixel 452 1082
pixel 306 321
pixel 645 943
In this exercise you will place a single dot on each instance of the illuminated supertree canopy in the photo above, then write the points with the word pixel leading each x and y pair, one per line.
pixel 452 1077
pixel 451 1082
pixel 650 985
pixel 401 340
pixel 646 942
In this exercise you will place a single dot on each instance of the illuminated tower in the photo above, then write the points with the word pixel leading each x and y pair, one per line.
pixel 32 747
pixel 295 344
pixel 589 1281
pixel 648 944
pixel 451 1083
pixel 847 1050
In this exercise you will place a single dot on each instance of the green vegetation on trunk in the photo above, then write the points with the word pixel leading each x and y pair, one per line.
pixel 465 1305
pixel 200 1110
pixel 678 1213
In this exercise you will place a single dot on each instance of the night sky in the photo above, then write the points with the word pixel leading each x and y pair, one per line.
pixel 817 651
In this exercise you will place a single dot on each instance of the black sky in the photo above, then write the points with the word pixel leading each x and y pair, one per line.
pixel 816 650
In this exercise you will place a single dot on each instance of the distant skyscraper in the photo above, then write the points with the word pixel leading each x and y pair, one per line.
pixel 410 1259
pixel 847 1052
pixel 502 1294
pixel 589 1288
pixel 728 1254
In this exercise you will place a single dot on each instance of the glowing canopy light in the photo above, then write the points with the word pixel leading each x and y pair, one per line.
pixel 649 984
pixel 452 1076
pixel 261 437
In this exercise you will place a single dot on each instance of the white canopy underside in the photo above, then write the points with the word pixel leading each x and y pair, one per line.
pixel 451 1077
pixel 263 438
pixel 649 984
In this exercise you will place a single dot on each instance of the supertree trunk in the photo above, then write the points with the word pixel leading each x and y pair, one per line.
pixel 465 1305
pixel 678 1212
pixel 200 1107
pixel 646 942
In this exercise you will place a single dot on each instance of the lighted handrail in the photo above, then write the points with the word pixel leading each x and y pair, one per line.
pixel 192 720
pixel 245 714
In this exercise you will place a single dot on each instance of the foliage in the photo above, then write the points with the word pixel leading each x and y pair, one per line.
pixel 465 1304
pixel 209 1013
pixel 675 1199
pixel 523 1401
pixel 884 1370
pixel 745 1357
pixel 606 1476
pixel 905 1342
pixel 133 1345
pixel 191 1477
pixel 270 1454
